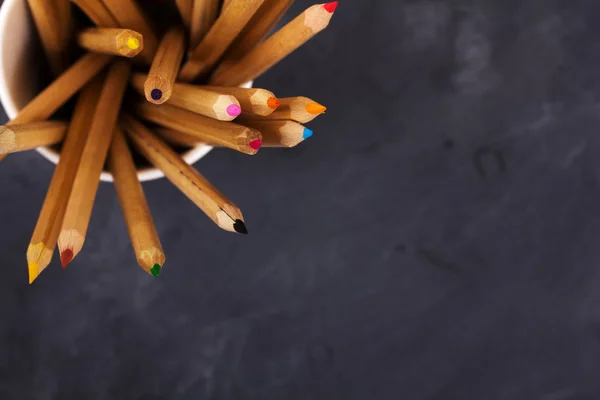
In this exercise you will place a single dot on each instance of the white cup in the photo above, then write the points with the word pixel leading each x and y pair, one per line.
pixel 19 77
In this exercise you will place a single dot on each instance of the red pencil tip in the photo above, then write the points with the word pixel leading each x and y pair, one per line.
pixel 255 144
pixel 66 257
pixel 330 7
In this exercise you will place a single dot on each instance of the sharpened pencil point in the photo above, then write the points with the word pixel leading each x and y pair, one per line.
pixel 315 108
pixel 33 271
pixel 330 7
pixel 156 94
pixel 66 257
pixel 255 144
pixel 133 43
pixel 234 110
pixel 307 133
pixel 273 103
pixel 155 270
pixel 240 227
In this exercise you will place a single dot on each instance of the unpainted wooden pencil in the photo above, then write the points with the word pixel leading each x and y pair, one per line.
pixel 219 38
pixel 185 10
pixel 128 15
pixel 45 234
pixel 22 137
pixel 85 185
pixel 300 109
pixel 252 100
pixel 165 66
pixel 114 41
pixel 197 188
pixel 276 47
pixel 142 232
pixel 227 134
pixel 45 17
pixel 278 133
pixel 97 12
pixel 64 14
pixel 257 29
pixel 204 14
pixel 192 98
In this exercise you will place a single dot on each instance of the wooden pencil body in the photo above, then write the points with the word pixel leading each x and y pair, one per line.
pixel 277 133
pixel 177 138
pixel 252 100
pixel 62 89
pixel 265 19
pixel 97 12
pixel 45 17
pixel 85 185
pixel 192 98
pixel 128 15
pixel 219 38
pixel 165 66
pixel 142 232
pixel 197 188
pixel 227 134
pixel 15 138
pixel 204 14
pixel 185 10
pixel 64 15
pixel 114 41
pixel 276 47
pixel 45 234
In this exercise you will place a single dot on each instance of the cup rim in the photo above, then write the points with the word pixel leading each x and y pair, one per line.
pixel 6 99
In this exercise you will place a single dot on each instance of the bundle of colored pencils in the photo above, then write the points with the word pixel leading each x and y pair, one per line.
pixel 183 100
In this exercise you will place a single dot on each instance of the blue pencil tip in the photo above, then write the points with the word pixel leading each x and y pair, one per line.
pixel 307 133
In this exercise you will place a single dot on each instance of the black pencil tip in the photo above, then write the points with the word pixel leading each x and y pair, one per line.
pixel 240 227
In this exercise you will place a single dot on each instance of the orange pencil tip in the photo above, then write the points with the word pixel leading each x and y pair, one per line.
pixel 315 108
pixel 66 257
pixel 273 103
pixel 330 7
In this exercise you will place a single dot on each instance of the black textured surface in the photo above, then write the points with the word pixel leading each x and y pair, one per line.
pixel 437 238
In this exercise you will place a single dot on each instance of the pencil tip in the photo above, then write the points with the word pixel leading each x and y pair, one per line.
pixel 66 256
pixel 315 108
pixel 240 227
pixel 33 271
pixel 234 110
pixel 330 7
pixel 255 144
pixel 307 133
pixel 273 103
pixel 155 270
pixel 156 94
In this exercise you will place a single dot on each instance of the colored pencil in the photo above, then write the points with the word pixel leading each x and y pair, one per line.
pixel 62 89
pixel 227 134
pixel 177 138
pixel 142 232
pixel 204 14
pixel 85 184
pixel 15 138
pixel 193 98
pixel 263 22
pixel 253 100
pixel 165 66
pixel 114 41
pixel 299 109
pixel 97 12
pixel 185 10
pixel 65 24
pixel 128 15
pixel 45 18
pixel 278 133
pixel 276 47
pixel 214 204
pixel 219 38
pixel 45 234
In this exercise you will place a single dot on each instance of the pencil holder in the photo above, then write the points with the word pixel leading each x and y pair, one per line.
pixel 20 78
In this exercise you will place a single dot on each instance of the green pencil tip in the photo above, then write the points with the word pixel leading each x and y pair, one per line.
pixel 155 270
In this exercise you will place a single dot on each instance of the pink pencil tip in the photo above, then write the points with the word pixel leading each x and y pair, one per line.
pixel 234 110
pixel 255 144
pixel 330 7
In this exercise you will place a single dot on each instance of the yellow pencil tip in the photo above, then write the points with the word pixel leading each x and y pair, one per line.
pixel 133 43
pixel 315 108
pixel 33 271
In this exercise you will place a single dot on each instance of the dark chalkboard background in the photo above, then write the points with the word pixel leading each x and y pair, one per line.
pixel 438 237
